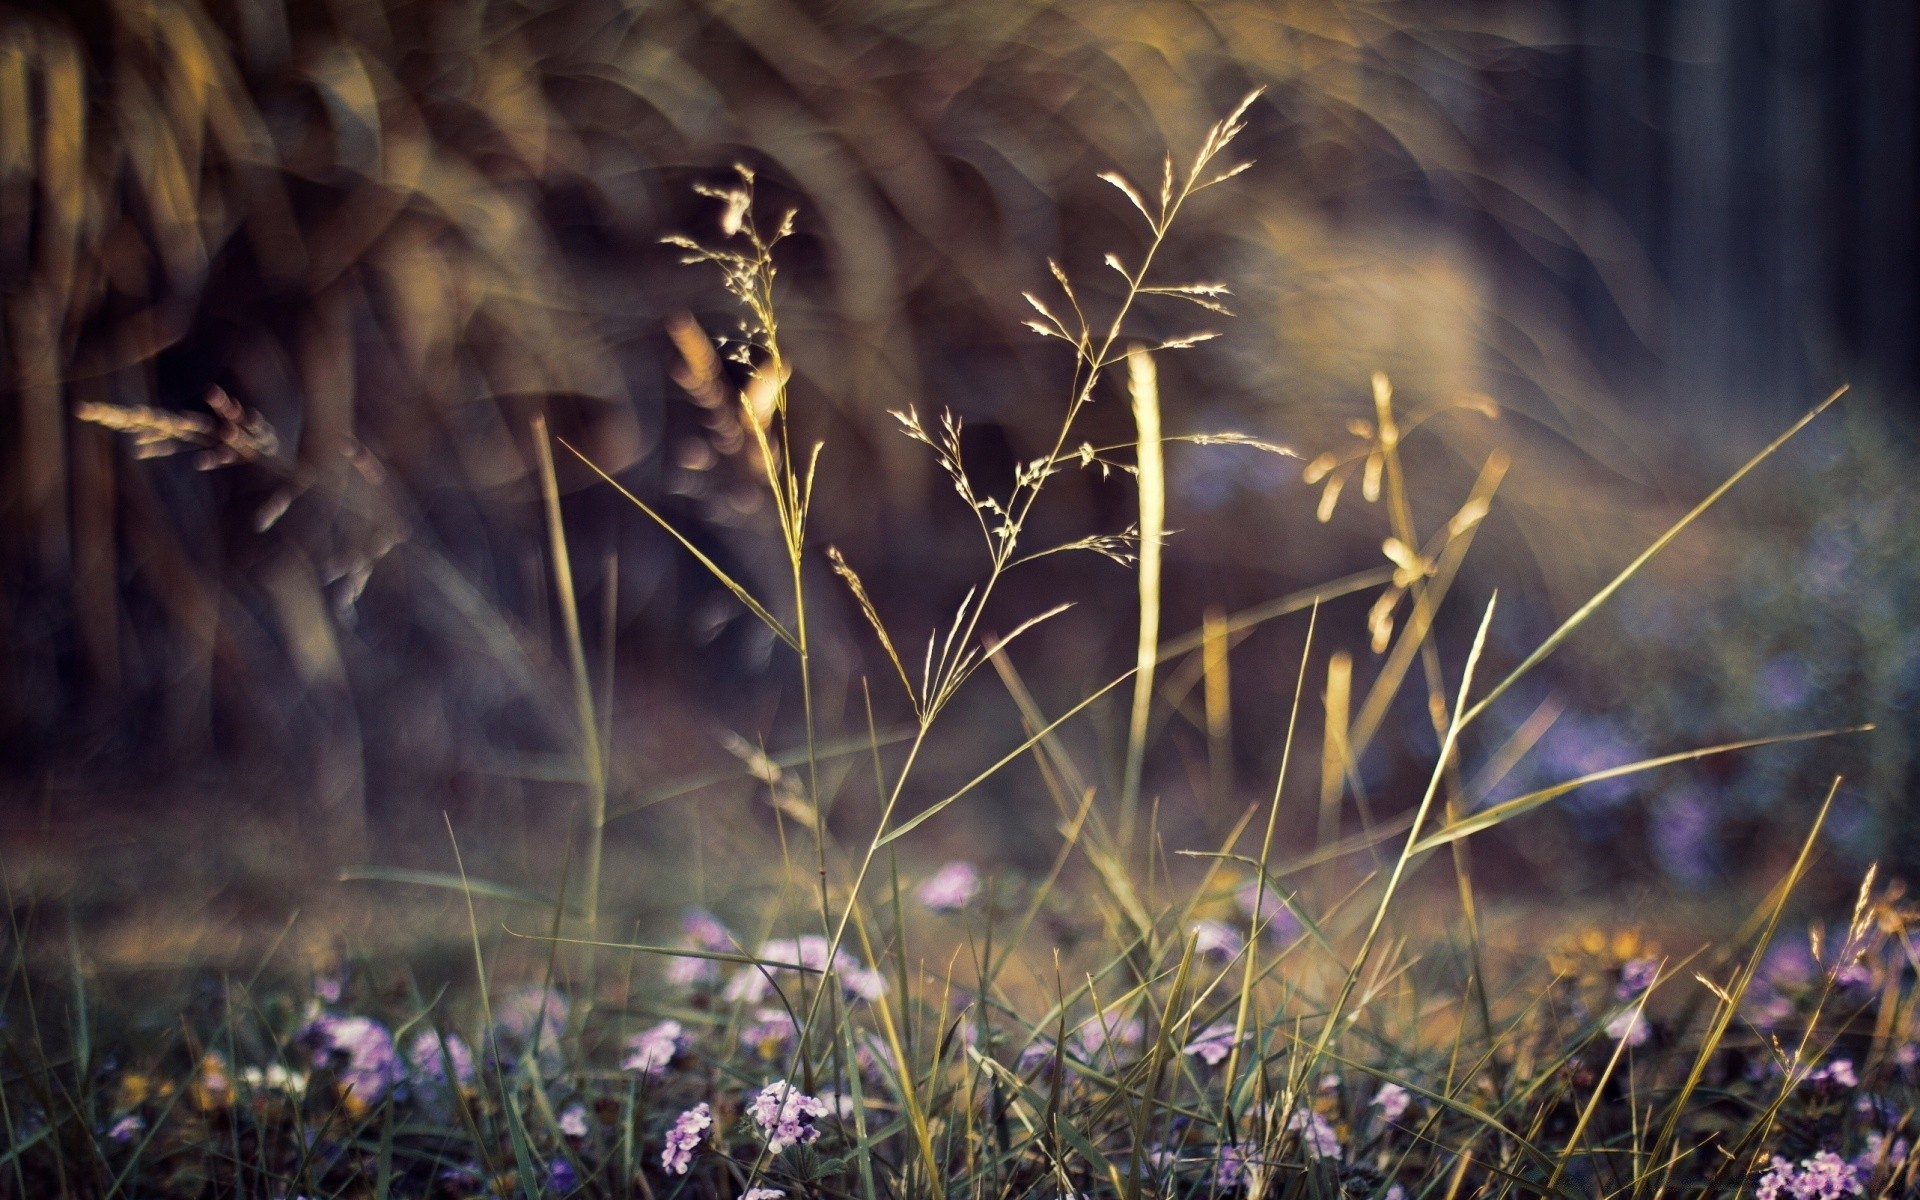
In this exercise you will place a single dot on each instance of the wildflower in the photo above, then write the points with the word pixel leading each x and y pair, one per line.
pixel 1281 925
pixel 1825 1176
pixel 1317 1137
pixel 1231 1168
pixel 1392 1101
pixel 1216 940
pixel 329 986
pixel 871 1055
pixel 839 1103
pixel 127 1128
pixel 762 1193
pixel 701 930
pixel 786 1115
pixel 684 1138
pixel 1213 1045
pixel 751 984
pixel 361 1051
pixel 573 1121
pixel 562 1176
pixel 1879 1153
pixel 1838 1073
pixel 1038 1051
pixel 430 1053
pixel 533 1015
pixel 1107 1032
pixel 652 1050
pixel 772 1029
pixel 1636 977
pixel 1629 1026
pixel 951 888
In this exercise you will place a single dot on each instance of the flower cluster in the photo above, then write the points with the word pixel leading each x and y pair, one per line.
pixel 684 1138
pixel 783 956
pixel 1825 1176
pixel 951 888
pixel 786 1115
pixel 361 1052
pixel 651 1051
pixel 700 930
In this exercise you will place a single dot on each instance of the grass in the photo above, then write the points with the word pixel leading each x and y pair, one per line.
pixel 1234 1020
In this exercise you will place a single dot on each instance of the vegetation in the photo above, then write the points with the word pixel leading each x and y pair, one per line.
pixel 1236 1019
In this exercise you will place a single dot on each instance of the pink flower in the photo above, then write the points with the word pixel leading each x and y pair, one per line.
pixel 762 1193
pixel 751 984
pixel 652 1050
pixel 771 1030
pixel 701 930
pixel 1825 1176
pixel 363 1051
pixel 786 1115
pixel 1213 1045
pixel 1106 1032
pixel 573 1122
pixel 1392 1101
pixel 1279 922
pixel 1629 1026
pixel 951 888
pixel 1212 939
pixel 1636 977
pixel 1839 1073
pixel 1317 1137
pixel 684 1138
pixel 425 1055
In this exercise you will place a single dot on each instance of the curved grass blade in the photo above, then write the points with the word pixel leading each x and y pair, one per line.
pixel 1501 813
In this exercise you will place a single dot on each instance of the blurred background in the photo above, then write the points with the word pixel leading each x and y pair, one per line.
pixel 244 647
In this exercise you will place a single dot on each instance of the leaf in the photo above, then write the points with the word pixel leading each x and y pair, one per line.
pixel 1499 814
pixel 740 593
pixel 452 883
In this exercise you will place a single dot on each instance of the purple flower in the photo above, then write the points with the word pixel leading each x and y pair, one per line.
pixel 1317 1137
pixel 533 1014
pixel 1280 923
pixel 1838 1073
pixel 1880 1154
pixel 1636 977
pixel 770 1032
pixel 1106 1032
pixel 786 1115
pixel 1231 1169
pixel 951 888
pixel 1213 1045
pixel 362 1052
pixel 700 930
pixel 762 1193
pixel 1038 1051
pixel 328 986
pixel 562 1176
pixel 1629 1026
pixel 751 984
pixel 126 1128
pixel 424 1054
pixel 651 1051
pixel 1213 939
pixel 573 1121
pixel 684 1138
pixel 1825 1176
pixel 1392 1101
